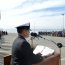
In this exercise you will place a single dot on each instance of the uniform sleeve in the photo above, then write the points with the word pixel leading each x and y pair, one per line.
pixel 28 53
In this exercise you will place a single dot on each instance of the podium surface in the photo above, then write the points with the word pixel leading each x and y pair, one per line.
pixel 52 60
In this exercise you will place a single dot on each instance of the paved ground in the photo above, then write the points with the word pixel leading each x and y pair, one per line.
pixel 7 41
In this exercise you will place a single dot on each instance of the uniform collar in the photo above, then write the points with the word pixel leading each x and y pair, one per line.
pixel 21 36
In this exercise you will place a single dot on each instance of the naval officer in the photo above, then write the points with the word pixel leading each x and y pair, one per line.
pixel 22 53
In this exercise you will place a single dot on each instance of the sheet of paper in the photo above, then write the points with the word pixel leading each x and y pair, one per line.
pixel 43 50
pixel 38 49
pixel 47 51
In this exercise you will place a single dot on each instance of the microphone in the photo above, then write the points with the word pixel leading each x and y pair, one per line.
pixel 35 34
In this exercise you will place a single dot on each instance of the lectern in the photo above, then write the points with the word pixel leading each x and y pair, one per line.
pixel 52 60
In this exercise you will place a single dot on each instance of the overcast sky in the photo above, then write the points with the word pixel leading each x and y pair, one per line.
pixel 42 14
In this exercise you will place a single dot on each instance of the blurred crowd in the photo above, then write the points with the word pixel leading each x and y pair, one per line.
pixel 3 33
pixel 53 33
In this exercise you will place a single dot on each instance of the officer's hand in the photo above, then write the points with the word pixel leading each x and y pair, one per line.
pixel 39 54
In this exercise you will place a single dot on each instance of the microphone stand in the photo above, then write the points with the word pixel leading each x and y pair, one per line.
pixel 32 45
pixel 59 45
pixel 32 38
pixel 32 41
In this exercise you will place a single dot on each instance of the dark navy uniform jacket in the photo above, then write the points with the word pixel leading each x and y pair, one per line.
pixel 22 53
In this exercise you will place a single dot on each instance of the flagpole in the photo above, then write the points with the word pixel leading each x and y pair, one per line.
pixel 63 22
pixel 0 15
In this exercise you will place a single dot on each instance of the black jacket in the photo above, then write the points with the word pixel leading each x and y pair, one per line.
pixel 22 53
